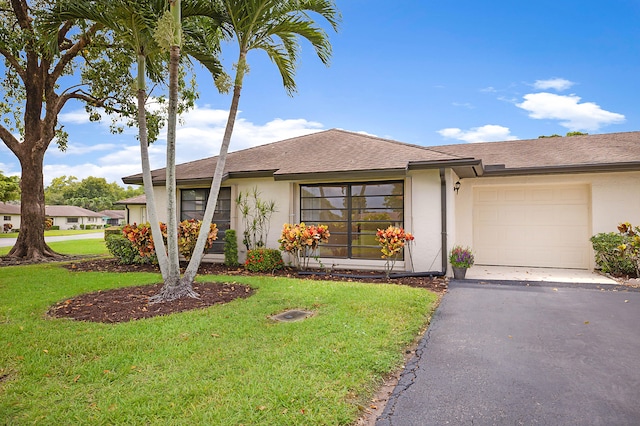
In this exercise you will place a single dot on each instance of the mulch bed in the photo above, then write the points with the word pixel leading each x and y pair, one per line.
pixel 132 303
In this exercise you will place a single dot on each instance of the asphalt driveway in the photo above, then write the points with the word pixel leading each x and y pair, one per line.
pixel 524 355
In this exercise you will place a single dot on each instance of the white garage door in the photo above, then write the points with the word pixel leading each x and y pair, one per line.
pixel 541 226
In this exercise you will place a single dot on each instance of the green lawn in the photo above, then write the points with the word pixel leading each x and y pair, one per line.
pixel 224 365
pixel 56 233
pixel 73 247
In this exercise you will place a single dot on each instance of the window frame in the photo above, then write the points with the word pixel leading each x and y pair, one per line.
pixel 349 212
pixel 223 225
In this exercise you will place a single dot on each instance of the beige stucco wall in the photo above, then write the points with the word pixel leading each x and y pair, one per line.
pixel 61 221
pixel 422 218
pixel 14 221
pixel 615 198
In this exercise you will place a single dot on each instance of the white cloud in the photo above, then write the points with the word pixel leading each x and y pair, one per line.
pixel 558 84
pixel 572 114
pixel 486 133
pixel 78 116
pixel 81 149
pixel 489 89
pixel 466 105
pixel 199 136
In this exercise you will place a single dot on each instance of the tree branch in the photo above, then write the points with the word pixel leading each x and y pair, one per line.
pixel 9 140
pixel 73 51
pixel 13 61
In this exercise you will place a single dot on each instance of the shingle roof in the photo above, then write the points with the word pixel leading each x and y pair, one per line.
pixel 8 209
pixel 69 211
pixel 589 151
pixel 338 152
pixel 138 199
pixel 113 214
pixel 330 151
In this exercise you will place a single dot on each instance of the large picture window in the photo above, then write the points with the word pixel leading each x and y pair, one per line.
pixel 192 205
pixel 353 212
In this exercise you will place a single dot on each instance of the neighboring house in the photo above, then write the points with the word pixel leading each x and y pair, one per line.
pixel 10 214
pixel 135 209
pixel 114 217
pixel 73 217
pixel 66 217
pixel 518 203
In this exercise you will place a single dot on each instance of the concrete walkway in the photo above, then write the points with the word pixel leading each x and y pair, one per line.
pixel 514 273
pixel 10 242
pixel 522 354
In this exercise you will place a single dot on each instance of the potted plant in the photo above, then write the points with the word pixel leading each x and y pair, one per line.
pixel 461 258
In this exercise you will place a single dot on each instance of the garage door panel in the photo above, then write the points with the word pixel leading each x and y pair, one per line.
pixel 514 195
pixel 538 195
pixel 542 226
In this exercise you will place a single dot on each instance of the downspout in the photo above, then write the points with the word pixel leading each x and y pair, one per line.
pixel 443 219
pixel 128 216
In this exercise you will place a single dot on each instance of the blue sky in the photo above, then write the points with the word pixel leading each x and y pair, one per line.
pixel 422 72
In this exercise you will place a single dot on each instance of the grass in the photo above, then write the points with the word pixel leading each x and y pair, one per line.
pixel 75 247
pixel 56 233
pixel 224 365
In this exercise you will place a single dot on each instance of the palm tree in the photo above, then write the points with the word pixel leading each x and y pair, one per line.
pixel 273 26
pixel 134 24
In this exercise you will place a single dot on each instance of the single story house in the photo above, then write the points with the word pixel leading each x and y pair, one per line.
pixel 66 217
pixel 10 216
pixel 74 217
pixel 113 217
pixel 135 209
pixel 529 203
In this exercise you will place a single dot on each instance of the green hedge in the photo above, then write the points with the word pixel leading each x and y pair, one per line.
pixel 112 230
pixel 230 248
pixel 122 249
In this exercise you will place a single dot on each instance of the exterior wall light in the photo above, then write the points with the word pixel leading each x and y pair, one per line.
pixel 456 186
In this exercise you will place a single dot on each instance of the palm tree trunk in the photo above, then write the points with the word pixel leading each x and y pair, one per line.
pixel 161 253
pixel 198 251
pixel 174 287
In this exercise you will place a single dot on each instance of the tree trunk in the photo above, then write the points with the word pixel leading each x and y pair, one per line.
pixel 30 244
pixel 174 287
pixel 161 253
pixel 198 251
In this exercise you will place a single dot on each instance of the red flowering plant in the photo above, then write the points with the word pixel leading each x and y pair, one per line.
pixel 392 242
pixel 141 238
pixel 302 241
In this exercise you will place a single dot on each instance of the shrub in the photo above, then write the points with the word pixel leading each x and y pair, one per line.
pixel 112 230
pixel 392 242
pixel 7 227
pixel 302 241
pixel 123 250
pixel 256 218
pixel 81 226
pixel 609 259
pixel 188 236
pixel 48 224
pixel 263 260
pixel 54 228
pixel 631 247
pixel 230 248
pixel 141 238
